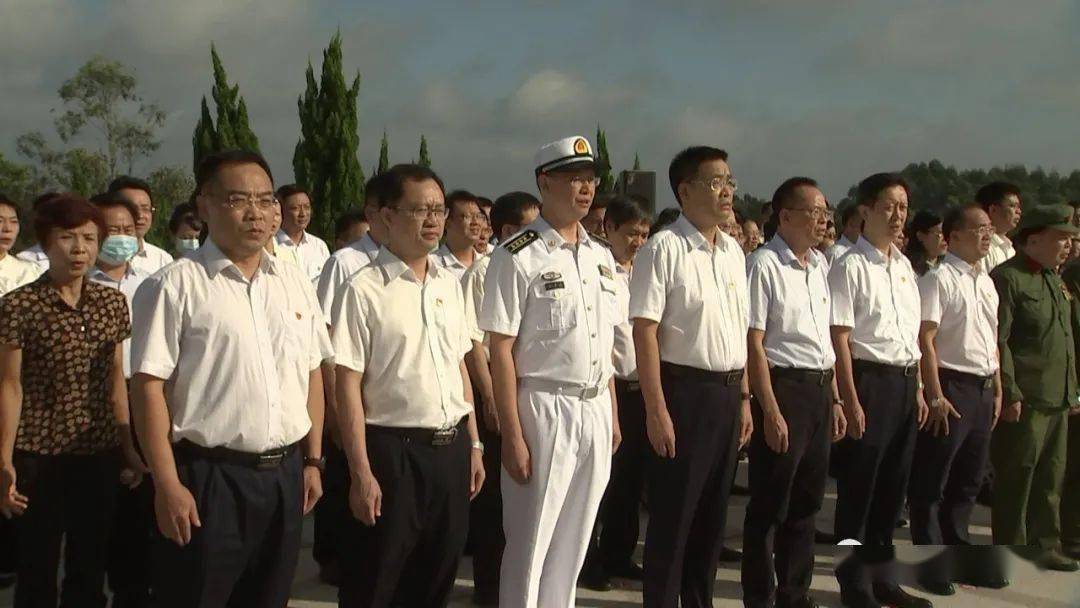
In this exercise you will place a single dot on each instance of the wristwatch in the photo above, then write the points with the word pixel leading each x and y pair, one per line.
pixel 317 462
pixel 478 445
pixel 838 401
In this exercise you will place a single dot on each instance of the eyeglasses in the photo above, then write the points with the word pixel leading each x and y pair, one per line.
pixel 423 212
pixel 579 182
pixel 145 209
pixel 262 202
pixel 472 217
pixel 716 184
pixel 817 214
pixel 982 230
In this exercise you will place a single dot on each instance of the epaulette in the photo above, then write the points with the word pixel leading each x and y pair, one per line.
pixel 521 241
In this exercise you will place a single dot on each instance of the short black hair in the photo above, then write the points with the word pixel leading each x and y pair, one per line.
pixel 375 190
pixel 7 201
pixel 214 163
pixel 66 212
pixel 849 211
pixel 284 192
pixel 623 208
pixel 601 201
pixel 347 220
pixel 956 218
pixel 510 208
pixel 459 197
pixel 665 219
pixel 185 214
pixel 686 163
pixel 784 196
pixel 43 198
pixel 485 203
pixel 869 189
pixel 399 174
pixel 108 200
pixel 994 193
pixel 127 182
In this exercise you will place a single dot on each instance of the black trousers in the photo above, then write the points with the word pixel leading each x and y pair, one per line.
pixel 688 494
pixel 331 513
pixel 71 502
pixel 246 551
pixel 948 471
pixel 410 556
pixel 620 511
pixel 9 540
pixel 874 473
pixel 129 548
pixel 486 518
pixel 786 492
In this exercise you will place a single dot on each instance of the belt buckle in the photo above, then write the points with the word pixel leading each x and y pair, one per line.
pixel 988 383
pixel 269 461
pixel 823 378
pixel 590 392
pixel 444 436
pixel 633 386
pixel 911 370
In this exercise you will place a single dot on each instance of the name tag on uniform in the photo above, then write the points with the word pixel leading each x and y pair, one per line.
pixel 554 285
pixel 605 271
pixel 551 276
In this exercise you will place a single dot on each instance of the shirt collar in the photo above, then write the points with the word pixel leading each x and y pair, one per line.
pixel 215 261
pixel 1000 240
pixel 393 267
pixel 953 260
pixel 874 255
pixel 448 257
pixel 787 256
pixel 283 237
pixel 365 243
pixel 99 274
pixel 693 236
pixel 1030 265
pixel 846 242
pixel 553 240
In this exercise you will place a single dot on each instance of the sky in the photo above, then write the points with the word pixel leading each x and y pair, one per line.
pixel 831 89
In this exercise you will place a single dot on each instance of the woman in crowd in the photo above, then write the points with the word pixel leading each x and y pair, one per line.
pixel 925 243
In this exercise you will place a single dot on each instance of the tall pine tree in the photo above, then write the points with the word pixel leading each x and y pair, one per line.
pixel 637 162
pixel 603 161
pixel 232 129
pixel 425 158
pixel 384 154
pixel 325 160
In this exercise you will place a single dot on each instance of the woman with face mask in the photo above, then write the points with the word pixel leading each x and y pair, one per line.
pixel 185 228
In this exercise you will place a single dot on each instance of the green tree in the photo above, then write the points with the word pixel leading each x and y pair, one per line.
pixel 637 162
pixel 325 159
pixel 75 170
pixel 171 185
pixel 232 129
pixel 16 181
pixel 607 180
pixel 102 95
pixel 425 158
pixel 384 154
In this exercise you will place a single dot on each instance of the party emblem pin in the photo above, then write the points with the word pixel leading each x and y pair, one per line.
pixel 299 316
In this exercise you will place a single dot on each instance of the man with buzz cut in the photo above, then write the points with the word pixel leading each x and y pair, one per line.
pixel 550 308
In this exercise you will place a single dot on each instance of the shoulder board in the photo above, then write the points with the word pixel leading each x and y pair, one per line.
pixel 521 241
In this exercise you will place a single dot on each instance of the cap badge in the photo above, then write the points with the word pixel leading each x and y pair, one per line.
pixel 581 146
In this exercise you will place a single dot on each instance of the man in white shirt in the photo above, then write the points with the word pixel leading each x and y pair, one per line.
pixel 510 213
pixel 150 258
pixel 851 227
pixel 14 272
pixel 626 226
pixel 405 408
pixel 228 400
pixel 875 332
pixel 295 218
pixel 550 311
pixel 463 226
pixel 688 301
pixel 1002 202
pixel 349 227
pixel 798 412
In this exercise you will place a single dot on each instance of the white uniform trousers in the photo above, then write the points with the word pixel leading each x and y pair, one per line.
pixel 548 521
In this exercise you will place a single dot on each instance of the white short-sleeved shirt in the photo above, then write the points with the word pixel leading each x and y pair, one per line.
pixel 962 301
pixel 408 338
pixel 236 354
pixel 36 255
pixel 128 285
pixel 473 286
pixel 16 272
pixel 450 262
pixel 839 248
pixel 558 300
pixel 791 304
pixel 151 259
pixel 344 263
pixel 1001 249
pixel 625 355
pixel 878 298
pixel 697 293
pixel 311 252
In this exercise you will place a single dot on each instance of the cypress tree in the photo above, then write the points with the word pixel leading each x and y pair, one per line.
pixel 425 158
pixel 384 154
pixel 607 180
pixel 232 129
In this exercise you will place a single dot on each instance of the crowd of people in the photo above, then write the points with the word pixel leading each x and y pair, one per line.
pixel 520 379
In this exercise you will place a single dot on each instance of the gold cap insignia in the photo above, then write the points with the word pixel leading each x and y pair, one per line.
pixel 581 146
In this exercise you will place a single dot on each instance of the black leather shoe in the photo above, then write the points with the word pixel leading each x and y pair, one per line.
pixel 858 599
pixel 728 555
pixel 893 595
pixel 485 597
pixel 595 579
pixel 938 587
pixel 985 581
pixel 630 571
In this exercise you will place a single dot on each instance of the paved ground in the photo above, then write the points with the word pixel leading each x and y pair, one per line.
pixel 1031 588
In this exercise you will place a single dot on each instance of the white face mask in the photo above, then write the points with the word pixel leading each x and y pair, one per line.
pixel 187 245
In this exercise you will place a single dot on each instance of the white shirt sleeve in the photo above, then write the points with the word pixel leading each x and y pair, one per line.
pixel 843 291
pixel 505 292
pixel 351 336
pixel 329 279
pixel 760 289
pixel 468 322
pixel 321 349
pixel 473 293
pixel 156 312
pixel 648 285
pixel 930 293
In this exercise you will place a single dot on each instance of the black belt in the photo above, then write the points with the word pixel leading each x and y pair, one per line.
pixel 255 460
pixel 984 382
pixel 434 437
pixel 685 372
pixel 908 371
pixel 818 377
pixel 627 385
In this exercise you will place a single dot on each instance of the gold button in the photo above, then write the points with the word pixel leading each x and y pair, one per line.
pixel 588 308
pixel 594 335
pixel 584 281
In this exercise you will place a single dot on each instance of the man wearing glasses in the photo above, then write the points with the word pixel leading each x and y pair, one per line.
pixel 688 302
pixel 405 408
pixel 550 307
pixel 228 400
pixel 149 258
pixel 464 226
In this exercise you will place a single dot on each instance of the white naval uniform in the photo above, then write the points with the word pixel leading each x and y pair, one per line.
pixel 559 301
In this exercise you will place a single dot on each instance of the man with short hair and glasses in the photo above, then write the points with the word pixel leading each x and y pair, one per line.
pixel 464 224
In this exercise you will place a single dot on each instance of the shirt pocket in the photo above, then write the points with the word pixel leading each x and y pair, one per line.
pixel 609 302
pixel 295 332
pixel 556 313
